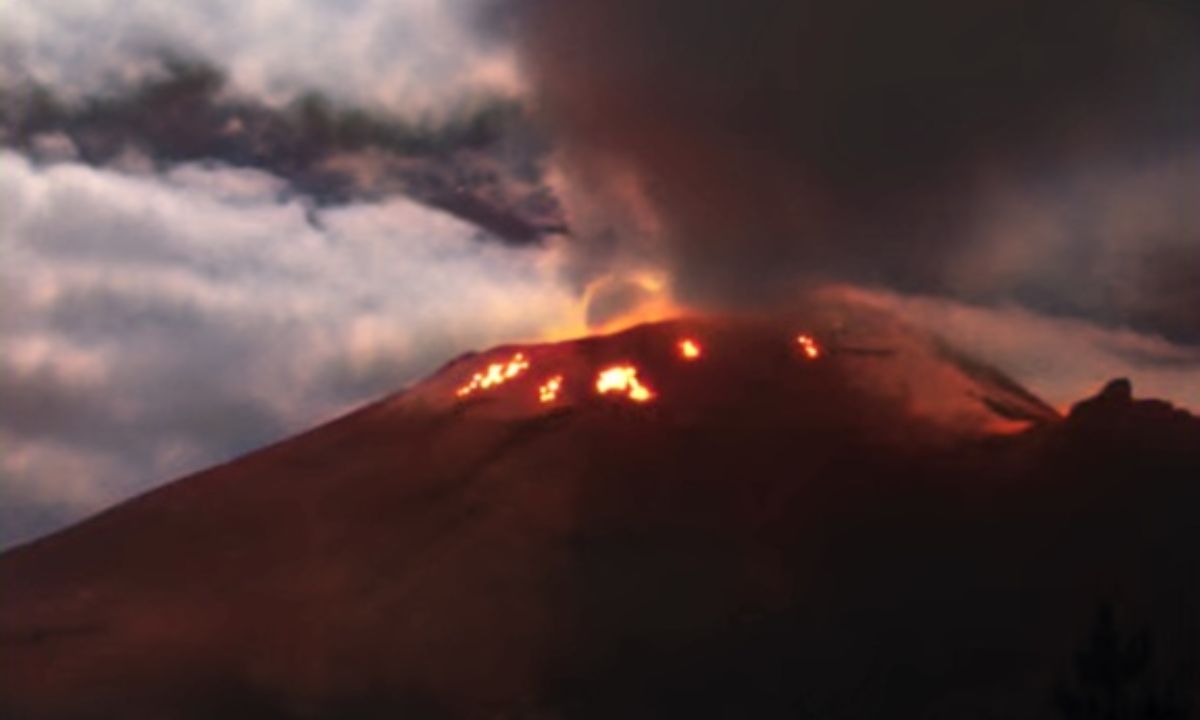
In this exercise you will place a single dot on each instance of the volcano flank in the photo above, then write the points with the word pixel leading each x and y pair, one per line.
pixel 869 524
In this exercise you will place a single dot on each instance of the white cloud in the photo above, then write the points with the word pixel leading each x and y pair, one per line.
pixel 156 324
pixel 403 55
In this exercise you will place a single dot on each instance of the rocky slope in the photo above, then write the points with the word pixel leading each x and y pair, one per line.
pixel 884 530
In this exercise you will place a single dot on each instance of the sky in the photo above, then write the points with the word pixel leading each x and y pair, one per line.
pixel 224 222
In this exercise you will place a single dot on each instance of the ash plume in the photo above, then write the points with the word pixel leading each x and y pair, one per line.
pixel 1042 153
pixel 479 162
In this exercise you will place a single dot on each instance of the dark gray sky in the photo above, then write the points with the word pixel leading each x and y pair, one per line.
pixel 995 150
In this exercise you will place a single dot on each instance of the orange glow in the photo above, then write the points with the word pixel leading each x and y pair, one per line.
pixel 689 349
pixel 808 346
pixel 495 374
pixel 548 391
pixel 623 379
pixel 654 300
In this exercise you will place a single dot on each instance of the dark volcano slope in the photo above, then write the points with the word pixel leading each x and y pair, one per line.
pixel 769 536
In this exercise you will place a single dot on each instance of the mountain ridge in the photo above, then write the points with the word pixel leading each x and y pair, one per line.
pixel 767 528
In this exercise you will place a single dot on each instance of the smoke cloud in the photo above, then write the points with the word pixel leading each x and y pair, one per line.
pixel 782 142
pixel 480 163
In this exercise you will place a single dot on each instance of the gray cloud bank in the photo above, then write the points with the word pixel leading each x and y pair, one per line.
pixel 409 57
pixel 156 324
pixel 481 162
pixel 210 237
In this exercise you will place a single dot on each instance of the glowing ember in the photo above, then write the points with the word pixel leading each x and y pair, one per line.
pixel 808 346
pixel 495 374
pixel 623 379
pixel 689 349
pixel 548 391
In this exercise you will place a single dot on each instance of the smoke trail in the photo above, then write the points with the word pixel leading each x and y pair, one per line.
pixel 776 142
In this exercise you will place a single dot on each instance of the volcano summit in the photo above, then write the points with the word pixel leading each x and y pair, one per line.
pixel 699 518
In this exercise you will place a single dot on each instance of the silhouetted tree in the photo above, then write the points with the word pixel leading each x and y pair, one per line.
pixel 1112 681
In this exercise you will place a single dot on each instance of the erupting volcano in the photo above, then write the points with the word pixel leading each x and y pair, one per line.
pixel 607 528
pixel 844 268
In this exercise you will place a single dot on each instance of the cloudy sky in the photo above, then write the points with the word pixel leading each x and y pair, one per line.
pixel 223 222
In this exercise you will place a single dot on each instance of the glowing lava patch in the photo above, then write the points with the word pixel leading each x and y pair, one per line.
pixel 548 391
pixel 495 374
pixel 623 379
pixel 808 346
pixel 689 349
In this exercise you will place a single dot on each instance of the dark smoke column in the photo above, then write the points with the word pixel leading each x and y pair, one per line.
pixel 783 141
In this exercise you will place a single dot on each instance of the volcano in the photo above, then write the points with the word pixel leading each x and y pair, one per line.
pixel 865 524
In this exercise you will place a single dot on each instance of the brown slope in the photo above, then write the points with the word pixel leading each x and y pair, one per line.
pixel 832 525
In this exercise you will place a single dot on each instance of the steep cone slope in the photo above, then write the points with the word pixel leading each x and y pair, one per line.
pixel 756 533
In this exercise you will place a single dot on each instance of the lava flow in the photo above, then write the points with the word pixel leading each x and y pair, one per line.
pixel 689 349
pixel 808 346
pixel 623 379
pixel 548 391
pixel 495 374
